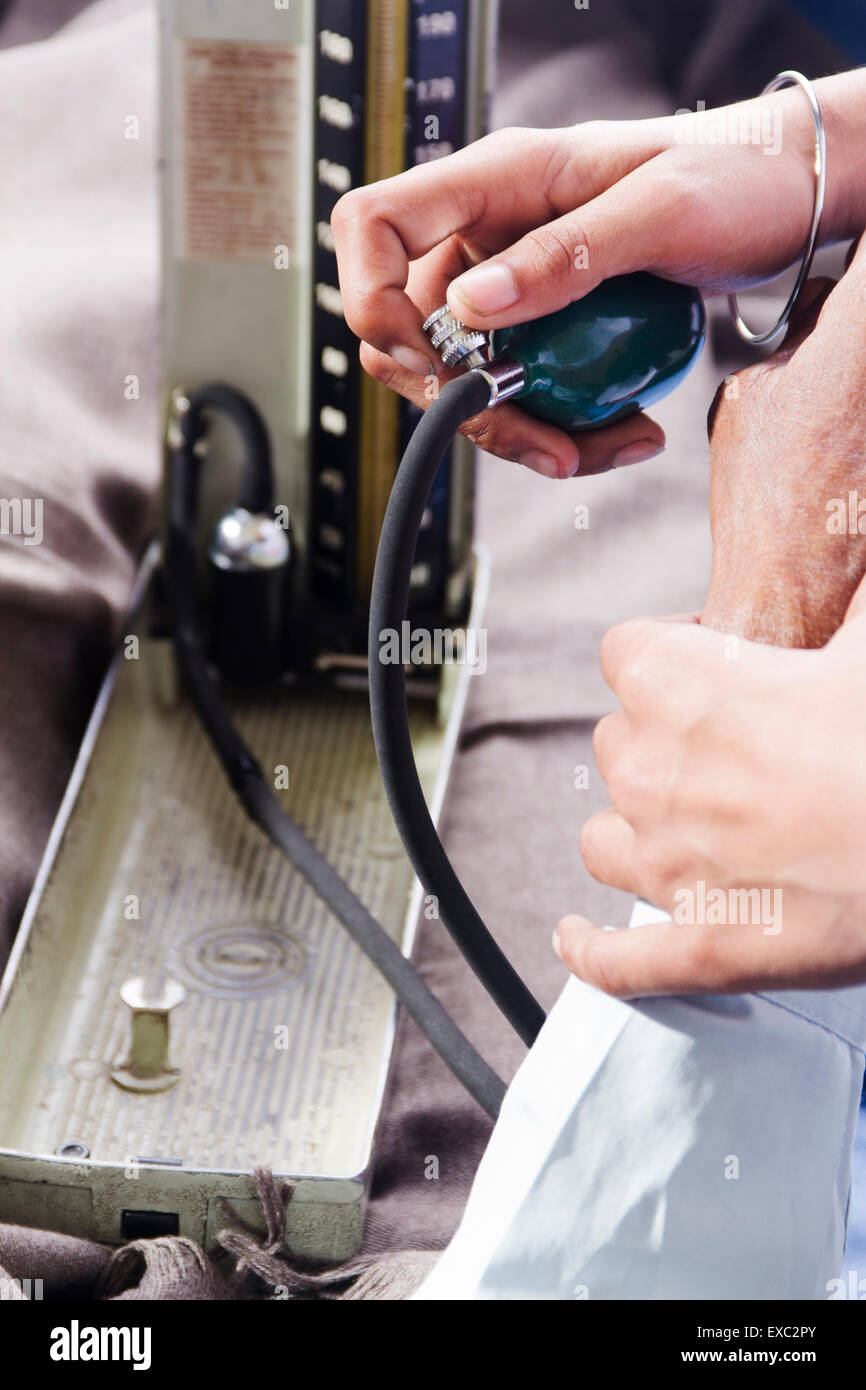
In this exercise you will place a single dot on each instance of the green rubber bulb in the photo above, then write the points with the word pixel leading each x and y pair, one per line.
pixel 616 351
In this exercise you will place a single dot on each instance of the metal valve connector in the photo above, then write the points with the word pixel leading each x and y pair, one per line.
pixel 469 348
pixel 457 345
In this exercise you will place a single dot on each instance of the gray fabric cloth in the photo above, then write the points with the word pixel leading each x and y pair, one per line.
pixel 78 234
pixel 79 254
pixel 64 1264
pixel 169 1268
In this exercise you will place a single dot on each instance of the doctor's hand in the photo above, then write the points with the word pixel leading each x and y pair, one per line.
pixel 524 222
pixel 737 773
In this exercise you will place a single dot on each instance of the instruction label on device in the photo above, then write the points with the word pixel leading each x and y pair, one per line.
pixel 239 104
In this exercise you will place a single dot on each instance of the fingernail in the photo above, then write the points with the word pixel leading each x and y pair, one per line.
pixel 410 359
pixel 486 288
pixel 638 452
pixel 557 944
pixel 539 462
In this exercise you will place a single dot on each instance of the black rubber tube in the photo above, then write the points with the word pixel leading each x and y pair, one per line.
pixel 255 493
pixel 261 805
pixel 457 402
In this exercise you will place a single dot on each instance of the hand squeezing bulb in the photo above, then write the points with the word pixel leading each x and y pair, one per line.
pixel 618 350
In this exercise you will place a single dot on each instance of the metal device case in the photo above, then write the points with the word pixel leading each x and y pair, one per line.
pixel 178 1006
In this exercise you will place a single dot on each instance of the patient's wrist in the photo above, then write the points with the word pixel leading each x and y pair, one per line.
pixel 761 618
pixel 779 604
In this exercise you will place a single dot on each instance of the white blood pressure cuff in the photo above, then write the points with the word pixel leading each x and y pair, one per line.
pixel 677 1148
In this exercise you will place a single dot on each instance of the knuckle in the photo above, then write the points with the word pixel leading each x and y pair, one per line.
pixel 511 135
pixel 621 662
pixel 379 366
pixel 553 248
pixel 363 315
pixel 613 758
pixel 624 786
pixel 594 129
pixel 601 742
pixel 659 869
pixel 610 647
pixel 600 966
pixel 590 847
pixel 636 684
pixel 506 144
pixel 348 209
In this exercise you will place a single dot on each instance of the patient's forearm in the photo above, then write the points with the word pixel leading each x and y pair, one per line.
pixel 798 606
pixel 787 456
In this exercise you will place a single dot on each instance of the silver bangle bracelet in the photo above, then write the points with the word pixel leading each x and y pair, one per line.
pixel 771 335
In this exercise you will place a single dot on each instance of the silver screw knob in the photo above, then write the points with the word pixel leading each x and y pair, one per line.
pixel 457 345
